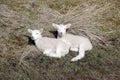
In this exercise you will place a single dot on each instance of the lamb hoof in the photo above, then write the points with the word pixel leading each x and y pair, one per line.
pixel 74 59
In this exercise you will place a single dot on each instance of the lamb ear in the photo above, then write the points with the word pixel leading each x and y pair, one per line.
pixel 55 25
pixel 68 25
pixel 41 30
pixel 30 30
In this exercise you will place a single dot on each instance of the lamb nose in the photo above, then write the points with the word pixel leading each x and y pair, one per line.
pixel 60 34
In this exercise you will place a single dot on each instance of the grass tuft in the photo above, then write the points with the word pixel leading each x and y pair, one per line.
pixel 98 20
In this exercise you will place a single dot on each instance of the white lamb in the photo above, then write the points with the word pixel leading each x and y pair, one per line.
pixel 49 46
pixel 77 43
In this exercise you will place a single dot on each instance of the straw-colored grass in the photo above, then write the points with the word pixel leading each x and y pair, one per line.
pixel 98 20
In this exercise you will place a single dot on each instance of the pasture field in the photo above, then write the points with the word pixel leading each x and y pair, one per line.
pixel 99 20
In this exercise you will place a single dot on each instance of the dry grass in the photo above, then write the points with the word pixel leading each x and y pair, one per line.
pixel 97 19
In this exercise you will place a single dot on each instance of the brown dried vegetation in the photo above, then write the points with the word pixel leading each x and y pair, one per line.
pixel 97 19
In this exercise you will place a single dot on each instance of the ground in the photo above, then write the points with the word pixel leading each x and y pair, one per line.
pixel 99 20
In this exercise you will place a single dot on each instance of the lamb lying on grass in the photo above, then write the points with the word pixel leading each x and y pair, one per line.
pixel 49 46
pixel 77 43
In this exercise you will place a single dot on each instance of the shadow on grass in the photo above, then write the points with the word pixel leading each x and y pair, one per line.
pixel 55 33
pixel 30 40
